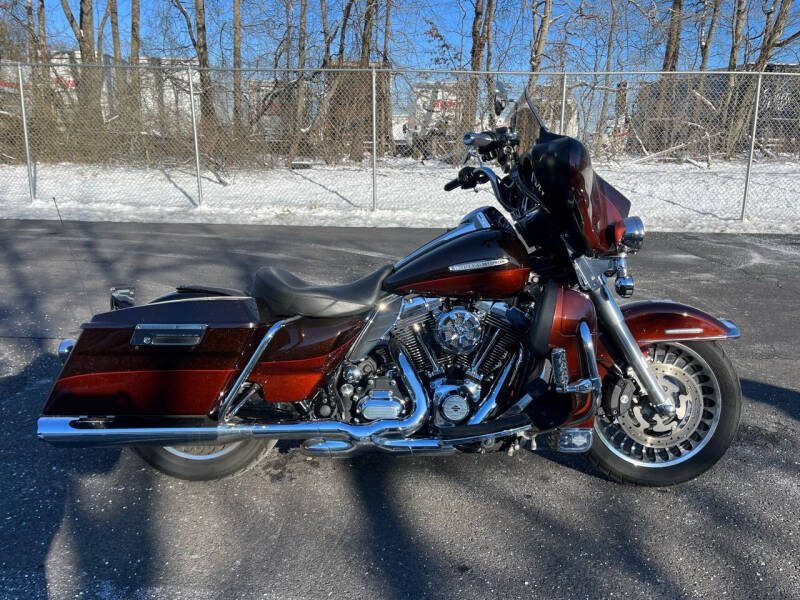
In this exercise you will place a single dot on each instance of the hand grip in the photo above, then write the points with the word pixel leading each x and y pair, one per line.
pixel 452 184
pixel 479 140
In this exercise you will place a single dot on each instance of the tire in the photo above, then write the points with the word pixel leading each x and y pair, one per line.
pixel 204 463
pixel 616 450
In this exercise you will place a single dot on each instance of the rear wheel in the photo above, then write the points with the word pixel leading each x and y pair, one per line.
pixel 641 447
pixel 201 463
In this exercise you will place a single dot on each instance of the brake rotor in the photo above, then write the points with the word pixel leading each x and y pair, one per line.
pixel 644 425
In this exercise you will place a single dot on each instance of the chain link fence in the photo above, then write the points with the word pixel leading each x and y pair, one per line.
pixel 169 141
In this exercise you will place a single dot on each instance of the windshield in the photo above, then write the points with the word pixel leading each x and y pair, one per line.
pixel 526 121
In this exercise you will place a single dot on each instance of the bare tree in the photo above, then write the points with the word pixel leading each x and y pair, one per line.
pixel 482 18
pixel 541 17
pixel 776 16
pixel 300 104
pixel 44 55
pixel 237 64
pixel 112 7
pixel 363 95
pixel 673 45
pixel 31 31
pixel 607 84
pixel 707 34
pixel 83 30
pixel 197 36
pixel 327 36
pixel 343 31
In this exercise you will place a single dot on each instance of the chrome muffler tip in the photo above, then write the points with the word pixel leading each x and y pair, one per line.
pixel 65 349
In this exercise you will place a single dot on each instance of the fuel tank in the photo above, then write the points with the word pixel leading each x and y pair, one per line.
pixel 479 263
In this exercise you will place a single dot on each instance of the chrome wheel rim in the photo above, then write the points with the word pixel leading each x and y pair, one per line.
pixel 201 453
pixel 643 438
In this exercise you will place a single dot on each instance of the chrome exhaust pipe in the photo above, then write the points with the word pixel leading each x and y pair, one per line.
pixel 72 431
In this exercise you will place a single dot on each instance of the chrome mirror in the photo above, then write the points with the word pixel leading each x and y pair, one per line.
pixel 500 98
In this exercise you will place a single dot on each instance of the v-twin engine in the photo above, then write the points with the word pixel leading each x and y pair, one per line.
pixel 459 349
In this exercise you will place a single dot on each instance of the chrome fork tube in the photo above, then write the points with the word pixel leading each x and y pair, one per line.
pixel 612 318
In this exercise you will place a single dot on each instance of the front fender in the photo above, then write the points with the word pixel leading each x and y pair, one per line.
pixel 661 321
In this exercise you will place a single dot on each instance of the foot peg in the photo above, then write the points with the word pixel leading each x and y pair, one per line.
pixel 578 439
pixel 558 358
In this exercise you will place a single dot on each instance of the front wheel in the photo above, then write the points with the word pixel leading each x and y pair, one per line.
pixel 643 448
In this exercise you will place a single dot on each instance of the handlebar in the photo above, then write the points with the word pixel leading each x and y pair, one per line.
pixel 451 185
pixel 480 140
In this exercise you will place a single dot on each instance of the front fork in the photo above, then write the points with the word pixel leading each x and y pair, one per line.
pixel 611 318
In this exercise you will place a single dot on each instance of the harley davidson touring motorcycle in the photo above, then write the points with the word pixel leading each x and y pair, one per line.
pixel 489 335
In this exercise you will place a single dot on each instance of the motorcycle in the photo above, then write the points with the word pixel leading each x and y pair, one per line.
pixel 492 334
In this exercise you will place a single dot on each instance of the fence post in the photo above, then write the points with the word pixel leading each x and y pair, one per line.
pixel 194 135
pixel 374 147
pixel 563 102
pixel 25 131
pixel 752 148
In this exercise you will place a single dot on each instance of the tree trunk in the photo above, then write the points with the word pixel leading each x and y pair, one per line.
pixel 539 39
pixel 112 4
pixel 133 95
pixel 345 18
pixel 673 46
pixel 300 105
pixel 40 18
pixel 88 87
pixel 363 110
pixel 489 78
pixel 237 65
pixel 207 110
pixel 326 34
pixel 386 134
pixel 705 44
pixel 607 86
pixel 741 113
pixel 31 35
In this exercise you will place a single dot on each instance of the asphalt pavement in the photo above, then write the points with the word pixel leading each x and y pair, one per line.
pixel 99 523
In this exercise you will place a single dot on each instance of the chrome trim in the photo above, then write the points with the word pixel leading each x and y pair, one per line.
pixel 633 238
pixel 488 436
pixel 684 330
pixel 65 349
pixel 490 403
pixel 561 440
pixel 168 334
pixel 612 318
pixel 72 431
pixel 379 322
pixel 591 363
pixel 733 329
pixel 478 264
pixel 225 405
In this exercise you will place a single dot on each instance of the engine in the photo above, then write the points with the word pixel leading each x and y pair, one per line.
pixel 459 348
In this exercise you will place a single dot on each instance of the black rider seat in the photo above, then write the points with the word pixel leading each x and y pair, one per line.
pixel 287 295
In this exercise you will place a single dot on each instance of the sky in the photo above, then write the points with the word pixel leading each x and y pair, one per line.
pixel 412 46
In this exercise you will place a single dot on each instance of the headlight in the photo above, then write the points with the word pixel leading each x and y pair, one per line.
pixel 632 237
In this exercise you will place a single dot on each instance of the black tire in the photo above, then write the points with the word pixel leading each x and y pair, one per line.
pixel 177 462
pixel 625 470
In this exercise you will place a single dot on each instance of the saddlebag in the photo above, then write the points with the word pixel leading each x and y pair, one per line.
pixel 175 357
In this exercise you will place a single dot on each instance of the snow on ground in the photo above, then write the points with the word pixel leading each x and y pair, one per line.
pixel 669 197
